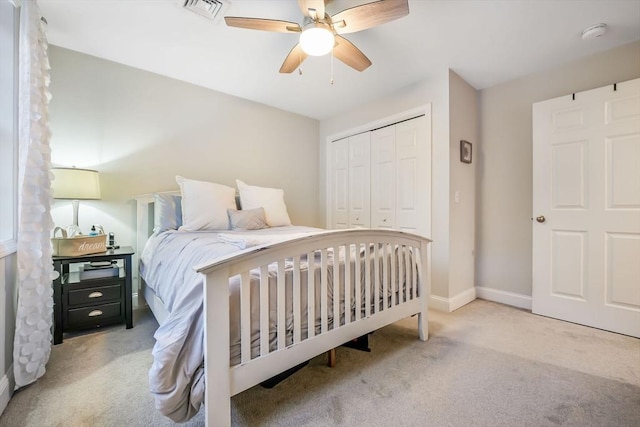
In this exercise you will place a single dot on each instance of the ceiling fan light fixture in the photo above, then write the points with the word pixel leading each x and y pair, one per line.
pixel 317 39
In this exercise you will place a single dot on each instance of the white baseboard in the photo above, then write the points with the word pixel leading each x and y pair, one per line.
pixel 451 304
pixel 439 303
pixel 6 389
pixel 504 297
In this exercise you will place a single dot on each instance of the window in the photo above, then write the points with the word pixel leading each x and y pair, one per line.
pixel 8 126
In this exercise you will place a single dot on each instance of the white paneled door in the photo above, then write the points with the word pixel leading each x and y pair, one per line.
pixel 586 208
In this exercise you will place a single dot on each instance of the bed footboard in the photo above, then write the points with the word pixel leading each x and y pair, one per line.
pixel 314 293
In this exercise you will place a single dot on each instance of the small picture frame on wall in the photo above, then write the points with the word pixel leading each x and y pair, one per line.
pixel 465 151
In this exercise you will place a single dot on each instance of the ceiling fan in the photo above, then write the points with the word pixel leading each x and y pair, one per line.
pixel 320 33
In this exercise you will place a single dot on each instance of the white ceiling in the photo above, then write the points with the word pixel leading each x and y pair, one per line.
pixel 487 42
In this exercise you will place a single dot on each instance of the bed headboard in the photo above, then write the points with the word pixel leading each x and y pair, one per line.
pixel 145 217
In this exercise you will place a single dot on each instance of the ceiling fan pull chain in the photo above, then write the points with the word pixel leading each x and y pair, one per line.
pixel 299 63
pixel 331 67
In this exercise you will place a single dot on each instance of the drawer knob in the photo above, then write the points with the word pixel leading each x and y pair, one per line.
pixel 95 313
pixel 95 294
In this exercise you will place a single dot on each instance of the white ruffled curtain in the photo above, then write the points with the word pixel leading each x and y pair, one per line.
pixel 32 342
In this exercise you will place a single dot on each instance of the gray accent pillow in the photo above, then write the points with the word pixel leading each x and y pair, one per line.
pixel 167 212
pixel 250 219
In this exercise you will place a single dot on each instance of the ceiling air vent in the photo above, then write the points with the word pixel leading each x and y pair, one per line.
pixel 210 9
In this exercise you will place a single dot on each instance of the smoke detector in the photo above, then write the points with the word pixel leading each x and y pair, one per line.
pixel 210 9
pixel 594 31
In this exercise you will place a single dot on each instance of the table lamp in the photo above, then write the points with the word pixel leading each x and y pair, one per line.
pixel 75 184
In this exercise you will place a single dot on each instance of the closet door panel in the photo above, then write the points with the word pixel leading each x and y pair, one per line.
pixel 359 180
pixel 383 177
pixel 340 184
pixel 411 175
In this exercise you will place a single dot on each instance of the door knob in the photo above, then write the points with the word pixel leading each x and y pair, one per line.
pixel 541 219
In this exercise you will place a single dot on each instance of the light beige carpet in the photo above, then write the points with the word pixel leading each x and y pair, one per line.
pixel 486 364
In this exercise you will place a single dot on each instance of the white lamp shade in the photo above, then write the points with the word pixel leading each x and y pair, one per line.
pixel 76 184
pixel 317 40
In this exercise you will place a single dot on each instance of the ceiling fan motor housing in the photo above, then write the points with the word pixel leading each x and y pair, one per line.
pixel 317 38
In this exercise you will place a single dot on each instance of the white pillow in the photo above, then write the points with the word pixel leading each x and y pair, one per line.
pixel 205 204
pixel 167 211
pixel 271 199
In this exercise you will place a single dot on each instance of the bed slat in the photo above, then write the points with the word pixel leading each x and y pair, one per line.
pixel 296 300
pixel 348 285
pixel 245 317
pixel 395 291
pixel 357 283
pixel 281 306
pixel 311 294
pixel 414 274
pixel 376 279
pixel 337 278
pixel 385 276
pixel 264 310
pixel 367 280
pixel 401 292
pixel 324 295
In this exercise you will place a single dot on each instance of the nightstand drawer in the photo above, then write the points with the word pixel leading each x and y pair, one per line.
pixel 95 295
pixel 95 315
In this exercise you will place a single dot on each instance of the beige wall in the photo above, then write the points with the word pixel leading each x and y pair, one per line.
pixel 140 130
pixel 505 161
pixel 463 125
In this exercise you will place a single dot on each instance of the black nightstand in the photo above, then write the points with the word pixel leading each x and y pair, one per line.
pixel 91 302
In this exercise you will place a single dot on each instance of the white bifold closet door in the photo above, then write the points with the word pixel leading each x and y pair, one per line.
pixel 380 178
pixel 383 177
pixel 586 208
pixel 359 181
pixel 350 182
pixel 340 184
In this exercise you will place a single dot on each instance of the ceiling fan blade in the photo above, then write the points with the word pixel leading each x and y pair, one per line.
pixel 369 15
pixel 293 60
pixel 306 6
pixel 263 24
pixel 348 53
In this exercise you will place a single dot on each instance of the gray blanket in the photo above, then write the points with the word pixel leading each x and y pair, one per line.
pixel 176 375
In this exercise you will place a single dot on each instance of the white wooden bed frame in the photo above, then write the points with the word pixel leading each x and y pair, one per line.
pixel 224 381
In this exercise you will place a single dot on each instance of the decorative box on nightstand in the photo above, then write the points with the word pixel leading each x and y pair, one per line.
pixel 92 299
